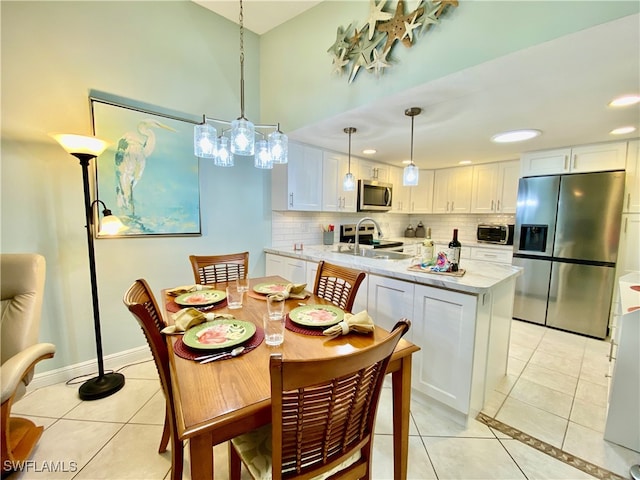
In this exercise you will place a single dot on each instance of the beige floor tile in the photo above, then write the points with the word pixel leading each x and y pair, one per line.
pixel 53 401
pixel 384 416
pixel 595 365
pixel 588 415
pixel 419 465
pixel 515 366
pixel 119 407
pixel 567 351
pixel 471 458
pixel 153 412
pixel 597 378
pixel 592 392
pixel 597 347
pixel 71 442
pixel 537 465
pixel 433 420
pixel 131 454
pixel 542 425
pixel 493 403
pixel 542 397
pixel 549 378
pixel 506 383
pixel 564 338
pixel 558 363
pixel 591 446
pixel 521 352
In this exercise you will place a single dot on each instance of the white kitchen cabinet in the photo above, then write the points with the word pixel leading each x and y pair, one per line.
pixel 495 187
pixel 292 269
pixel 452 190
pixel 579 159
pixel 491 255
pixel 443 325
pixel 374 171
pixel 465 252
pixel 334 168
pixel 418 199
pixel 312 270
pixel 297 185
pixel 389 300
pixel 629 246
pixel 632 184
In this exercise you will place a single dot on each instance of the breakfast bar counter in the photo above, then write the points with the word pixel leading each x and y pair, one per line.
pixel 462 324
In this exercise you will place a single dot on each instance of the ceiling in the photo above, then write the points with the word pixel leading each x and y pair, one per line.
pixel 561 87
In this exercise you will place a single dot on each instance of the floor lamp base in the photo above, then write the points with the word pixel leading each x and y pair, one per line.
pixel 100 387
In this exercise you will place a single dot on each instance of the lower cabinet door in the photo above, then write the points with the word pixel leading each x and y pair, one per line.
pixel 389 300
pixel 443 327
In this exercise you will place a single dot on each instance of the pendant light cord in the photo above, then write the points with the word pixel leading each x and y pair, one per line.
pixel 412 117
pixel 241 19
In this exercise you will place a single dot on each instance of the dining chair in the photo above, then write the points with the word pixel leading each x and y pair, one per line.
pixel 142 304
pixel 323 415
pixel 22 292
pixel 338 284
pixel 209 269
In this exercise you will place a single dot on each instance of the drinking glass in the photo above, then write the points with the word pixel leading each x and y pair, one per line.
pixel 242 284
pixel 234 297
pixel 273 329
pixel 275 306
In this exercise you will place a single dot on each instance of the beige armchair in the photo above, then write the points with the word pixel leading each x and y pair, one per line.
pixel 22 278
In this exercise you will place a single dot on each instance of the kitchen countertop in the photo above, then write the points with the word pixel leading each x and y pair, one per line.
pixel 479 277
pixel 414 240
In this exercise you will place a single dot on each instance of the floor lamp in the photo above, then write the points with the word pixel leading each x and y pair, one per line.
pixel 84 149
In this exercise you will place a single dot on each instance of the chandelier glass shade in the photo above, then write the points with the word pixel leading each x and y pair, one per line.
pixel 411 173
pixel 349 182
pixel 239 138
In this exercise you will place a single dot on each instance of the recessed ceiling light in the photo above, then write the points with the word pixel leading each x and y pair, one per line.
pixel 464 162
pixel 369 151
pixel 515 136
pixel 625 101
pixel 622 130
pixel 406 162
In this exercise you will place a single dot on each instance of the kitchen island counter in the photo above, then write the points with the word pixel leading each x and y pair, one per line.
pixel 462 324
pixel 479 276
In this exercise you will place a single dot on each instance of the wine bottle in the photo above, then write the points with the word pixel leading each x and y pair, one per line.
pixel 454 251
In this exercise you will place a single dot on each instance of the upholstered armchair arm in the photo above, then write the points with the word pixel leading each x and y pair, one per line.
pixel 14 369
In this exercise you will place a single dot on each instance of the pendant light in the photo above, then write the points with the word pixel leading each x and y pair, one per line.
pixel 349 182
pixel 240 138
pixel 411 172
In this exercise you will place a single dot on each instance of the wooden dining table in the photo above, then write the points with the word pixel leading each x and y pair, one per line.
pixel 225 398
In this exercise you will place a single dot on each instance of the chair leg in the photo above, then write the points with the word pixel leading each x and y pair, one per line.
pixel 177 459
pixel 166 433
pixel 235 464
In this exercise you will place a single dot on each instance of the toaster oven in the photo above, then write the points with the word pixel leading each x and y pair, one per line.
pixel 502 234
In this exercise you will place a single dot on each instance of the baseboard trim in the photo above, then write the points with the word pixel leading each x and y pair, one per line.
pixel 111 362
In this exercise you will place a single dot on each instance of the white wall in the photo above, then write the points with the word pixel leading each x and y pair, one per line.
pixel 174 55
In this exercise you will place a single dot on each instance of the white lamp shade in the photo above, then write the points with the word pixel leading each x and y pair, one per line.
pixel 263 157
pixel 278 147
pixel 242 137
pixel 80 144
pixel 111 225
pixel 205 143
pixel 349 183
pixel 223 157
pixel 410 176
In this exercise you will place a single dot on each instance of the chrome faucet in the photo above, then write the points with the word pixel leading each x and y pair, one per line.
pixel 356 246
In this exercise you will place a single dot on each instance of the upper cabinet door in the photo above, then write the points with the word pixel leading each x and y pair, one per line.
pixel 507 193
pixel 421 196
pixel 452 190
pixel 632 184
pixel 334 199
pixel 547 162
pixel 297 185
pixel 484 188
pixel 599 157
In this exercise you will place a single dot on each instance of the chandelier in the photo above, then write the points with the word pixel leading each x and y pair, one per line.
pixel 239 137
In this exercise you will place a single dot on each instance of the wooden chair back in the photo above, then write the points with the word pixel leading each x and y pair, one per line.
pixel 323 411
pixel 142 304
pixel 219 268
pixel 338 284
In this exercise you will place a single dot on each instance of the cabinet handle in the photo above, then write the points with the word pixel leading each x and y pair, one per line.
pixel 452 206
pixel 611 351
pixel 566 159
pixel 626 222
pixel 291 199
pixel 629 201
pixel 498 209
pixel 575 160
pixel 447 210
pixel 492 202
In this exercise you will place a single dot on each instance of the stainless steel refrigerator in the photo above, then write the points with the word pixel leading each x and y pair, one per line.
pixel 566 239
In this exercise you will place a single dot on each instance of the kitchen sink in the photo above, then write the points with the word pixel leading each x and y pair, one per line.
pixel 378 253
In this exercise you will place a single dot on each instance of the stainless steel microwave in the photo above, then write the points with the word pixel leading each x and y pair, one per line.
pixel 374 196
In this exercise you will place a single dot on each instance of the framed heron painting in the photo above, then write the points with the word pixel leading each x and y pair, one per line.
pixel 148 176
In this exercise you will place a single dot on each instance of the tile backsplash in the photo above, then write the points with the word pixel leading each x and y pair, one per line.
pixel 306 227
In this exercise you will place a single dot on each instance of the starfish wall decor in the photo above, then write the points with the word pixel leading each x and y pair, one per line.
pixel 369 46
